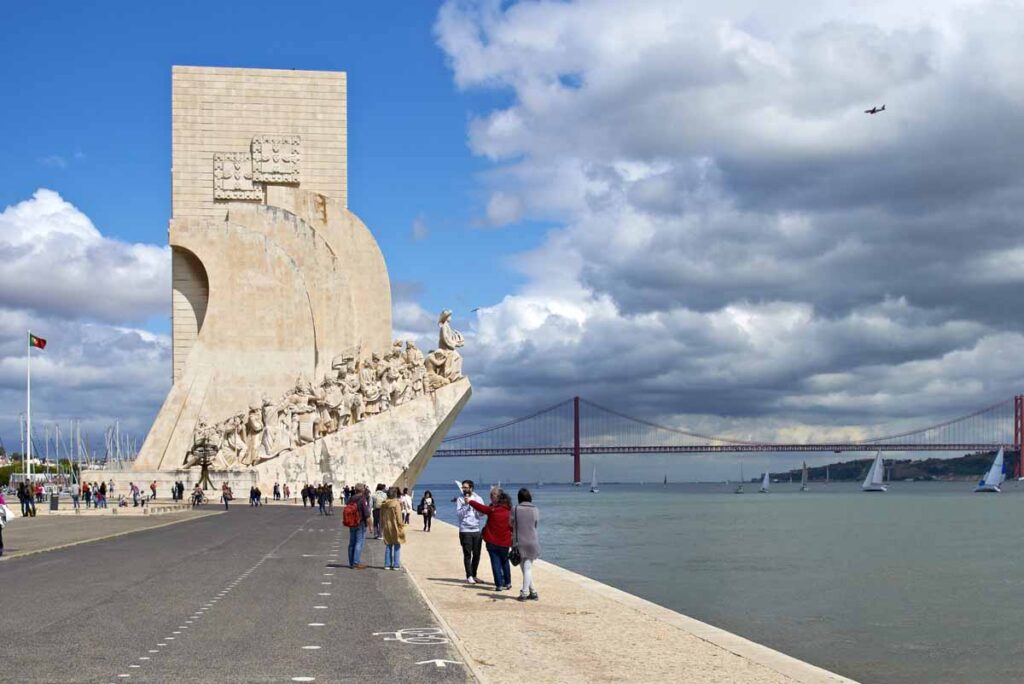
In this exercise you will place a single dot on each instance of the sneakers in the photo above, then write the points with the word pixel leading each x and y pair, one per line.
pixel 470 580
pixel 523 597
pixel 508 587
pixel 533 596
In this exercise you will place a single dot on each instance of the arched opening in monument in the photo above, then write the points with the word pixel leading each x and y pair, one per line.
pixel 190 295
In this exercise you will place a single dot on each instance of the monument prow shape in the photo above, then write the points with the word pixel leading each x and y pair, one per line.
pixel 284 365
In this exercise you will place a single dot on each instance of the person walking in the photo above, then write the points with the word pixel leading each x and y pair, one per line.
pixel 330 499
pixel 356 517
pixel 277 491
pixel 305 495
pixel 470 536
pixel 152 489
pixel 287 492
pixel 393 525
pixel 498 536
pixel 378 498
pixel 321 498
pixel 86 494
pixel 5 516
pixel 406 501
pixel 101 496
pixel 525 521
pixel 426 509
pixel 225 494
pixel 76 494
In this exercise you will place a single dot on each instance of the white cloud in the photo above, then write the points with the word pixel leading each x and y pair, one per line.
pixel 67 282
pixel 55 261
pixel 741 248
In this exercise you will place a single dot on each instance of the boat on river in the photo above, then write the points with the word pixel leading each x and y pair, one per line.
pixel 993 478
pixel 593 482
pixel 874 482
pixel 764 484
pixel 803 478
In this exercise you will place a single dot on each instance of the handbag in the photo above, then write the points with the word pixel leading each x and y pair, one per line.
pixel 514 556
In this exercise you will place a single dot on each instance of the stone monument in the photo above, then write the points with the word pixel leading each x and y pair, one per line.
pixel 283 363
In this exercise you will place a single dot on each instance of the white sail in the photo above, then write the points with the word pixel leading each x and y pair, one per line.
pixel 765 481
pixel 873 482
pixel 995 473
pixel 593 480
pixel 994 477
pixel 803 477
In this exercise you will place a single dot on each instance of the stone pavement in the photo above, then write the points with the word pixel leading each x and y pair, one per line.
pixel 251 595
pixel 24 536
pixel 581 630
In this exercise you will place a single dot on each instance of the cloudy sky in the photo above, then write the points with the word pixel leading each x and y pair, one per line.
pixel 674 209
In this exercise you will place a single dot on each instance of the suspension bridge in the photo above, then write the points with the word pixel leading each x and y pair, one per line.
pixel 575 427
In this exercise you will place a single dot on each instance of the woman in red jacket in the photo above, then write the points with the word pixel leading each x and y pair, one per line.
pixel 498 536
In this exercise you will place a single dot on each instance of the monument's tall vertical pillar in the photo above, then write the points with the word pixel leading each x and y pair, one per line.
pixel 216 109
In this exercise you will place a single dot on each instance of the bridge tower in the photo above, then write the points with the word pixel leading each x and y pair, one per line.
pixel 1018 432
pixel 576 440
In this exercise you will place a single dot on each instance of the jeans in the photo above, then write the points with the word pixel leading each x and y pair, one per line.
pixel 356 537
pixel 426 521
pixel 527 567
pixel 323 506
pixel 470 551
pixel 500 566
pixel 392 555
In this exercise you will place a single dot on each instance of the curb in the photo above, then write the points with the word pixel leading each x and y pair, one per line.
pixel 456 641
pixel 25 554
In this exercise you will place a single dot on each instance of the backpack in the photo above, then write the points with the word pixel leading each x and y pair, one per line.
pixel 350 516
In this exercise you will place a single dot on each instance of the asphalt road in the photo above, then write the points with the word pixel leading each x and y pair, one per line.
pixel 255 595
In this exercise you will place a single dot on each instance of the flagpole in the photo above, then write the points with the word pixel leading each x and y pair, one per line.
pixel 28 405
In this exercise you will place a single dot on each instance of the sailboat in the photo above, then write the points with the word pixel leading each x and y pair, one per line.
pixel 803 478
pixel 873 482
pixel 739 487
pixel 764 484
pixel 826 475
pixel 994 477
pixel 593 482
pixel 665 481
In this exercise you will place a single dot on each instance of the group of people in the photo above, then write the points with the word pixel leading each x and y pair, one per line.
pixel 177 491
pixel 321 496
pixel 510 535
pixel 383 511
pixel 509 532
pixel 27 499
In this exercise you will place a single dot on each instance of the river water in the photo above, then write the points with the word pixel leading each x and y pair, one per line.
pixel 921 584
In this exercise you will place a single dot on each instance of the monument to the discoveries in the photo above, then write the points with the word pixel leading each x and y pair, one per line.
pixel 283 364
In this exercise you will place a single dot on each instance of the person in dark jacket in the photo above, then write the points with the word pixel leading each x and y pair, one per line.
pixel 357 535
pixel 498 536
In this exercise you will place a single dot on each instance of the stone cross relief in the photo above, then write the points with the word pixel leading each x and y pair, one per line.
pixel 274 159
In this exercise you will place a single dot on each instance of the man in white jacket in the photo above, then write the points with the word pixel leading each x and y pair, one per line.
pixel 470 535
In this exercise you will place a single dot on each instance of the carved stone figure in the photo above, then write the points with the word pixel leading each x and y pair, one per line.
pixel 354 390
pixel 445 362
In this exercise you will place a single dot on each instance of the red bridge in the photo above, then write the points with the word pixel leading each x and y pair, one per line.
pixel 576 426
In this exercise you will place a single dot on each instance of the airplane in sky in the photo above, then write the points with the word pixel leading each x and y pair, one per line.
pixel 875 110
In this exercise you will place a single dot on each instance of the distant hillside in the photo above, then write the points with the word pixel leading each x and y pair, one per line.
pixel 968 467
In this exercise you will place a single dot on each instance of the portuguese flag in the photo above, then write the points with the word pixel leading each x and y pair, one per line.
pixel 37 342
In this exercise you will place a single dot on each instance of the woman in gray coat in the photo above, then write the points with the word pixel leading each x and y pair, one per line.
pixel 525 519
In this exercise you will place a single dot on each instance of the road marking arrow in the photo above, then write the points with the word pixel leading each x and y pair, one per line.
pixel 438 662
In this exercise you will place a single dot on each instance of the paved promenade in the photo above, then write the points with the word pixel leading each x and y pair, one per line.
pixel 252 595
pixel 582 630
pixel 44 532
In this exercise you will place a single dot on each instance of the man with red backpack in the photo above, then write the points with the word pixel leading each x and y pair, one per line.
pixel 357 512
